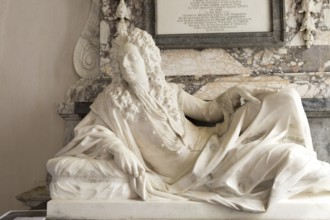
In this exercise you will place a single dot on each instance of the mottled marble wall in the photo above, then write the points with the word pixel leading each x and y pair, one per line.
pixel 209 72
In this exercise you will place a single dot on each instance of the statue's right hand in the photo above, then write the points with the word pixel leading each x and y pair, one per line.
pixel 128 162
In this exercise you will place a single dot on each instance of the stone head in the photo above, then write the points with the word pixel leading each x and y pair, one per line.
pixel 131 64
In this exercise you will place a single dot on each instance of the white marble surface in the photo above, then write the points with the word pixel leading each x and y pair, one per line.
pixel 307 207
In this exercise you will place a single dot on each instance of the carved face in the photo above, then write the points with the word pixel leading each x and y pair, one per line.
pixel 132 64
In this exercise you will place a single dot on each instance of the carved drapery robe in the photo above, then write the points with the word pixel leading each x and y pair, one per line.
pixel 265 155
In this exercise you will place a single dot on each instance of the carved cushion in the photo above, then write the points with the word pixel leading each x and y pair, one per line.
pixel 81 178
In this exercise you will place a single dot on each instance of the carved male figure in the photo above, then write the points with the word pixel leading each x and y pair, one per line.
pixel 138 143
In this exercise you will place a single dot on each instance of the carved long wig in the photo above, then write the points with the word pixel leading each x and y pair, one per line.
pixel 119 91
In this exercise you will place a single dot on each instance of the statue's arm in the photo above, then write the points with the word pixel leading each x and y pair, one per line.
pixel 198 109
pixel 222 106
pixel 94 137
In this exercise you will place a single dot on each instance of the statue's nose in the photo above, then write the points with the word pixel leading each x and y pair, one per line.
pixel 125 62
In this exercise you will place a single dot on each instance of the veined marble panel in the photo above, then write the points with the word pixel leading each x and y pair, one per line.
pixel 320 129
pixel 311 85
pixel 322 37
pixel 234 61
pixel 206 62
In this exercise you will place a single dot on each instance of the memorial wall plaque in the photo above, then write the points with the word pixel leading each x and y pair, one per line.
pixel 216 23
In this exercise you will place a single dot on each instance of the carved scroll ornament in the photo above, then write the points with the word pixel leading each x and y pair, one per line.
pixel 86 56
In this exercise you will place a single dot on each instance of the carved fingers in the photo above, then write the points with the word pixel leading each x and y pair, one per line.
pixel 244 93
pixel 235 96
pixel 129 163
pixel 248 93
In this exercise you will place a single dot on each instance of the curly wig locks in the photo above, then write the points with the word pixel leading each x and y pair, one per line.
pixel 148 49
pixel 119 91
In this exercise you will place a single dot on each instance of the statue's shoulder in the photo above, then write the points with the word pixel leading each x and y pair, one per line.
pixel 176 87
pixel 104 97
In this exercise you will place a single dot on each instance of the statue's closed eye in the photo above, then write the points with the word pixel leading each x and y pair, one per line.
pixel 128 59
pixel 132 57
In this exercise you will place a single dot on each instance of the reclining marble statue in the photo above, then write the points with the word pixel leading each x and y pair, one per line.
pixel 138 143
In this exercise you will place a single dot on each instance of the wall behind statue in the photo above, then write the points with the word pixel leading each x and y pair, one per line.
pixel 37 40
pixel 208 72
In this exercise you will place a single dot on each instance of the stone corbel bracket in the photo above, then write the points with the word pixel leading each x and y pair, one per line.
pixel 308 23
pixel 86 56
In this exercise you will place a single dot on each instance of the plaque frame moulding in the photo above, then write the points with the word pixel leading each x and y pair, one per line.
pixel 273 38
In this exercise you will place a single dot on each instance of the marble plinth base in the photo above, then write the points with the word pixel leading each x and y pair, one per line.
pixel 305 207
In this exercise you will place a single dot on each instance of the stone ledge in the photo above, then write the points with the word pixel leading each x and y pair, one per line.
pixel 314 107
pixel 24 214
pixel 306 207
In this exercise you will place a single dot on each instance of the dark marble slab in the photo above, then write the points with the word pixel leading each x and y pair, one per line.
pixel 317 107
pixel 35 198
pixel 314 107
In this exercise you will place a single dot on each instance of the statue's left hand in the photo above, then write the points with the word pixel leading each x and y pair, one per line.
pixel 128 162
pixel 247 93
pixel 231 99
